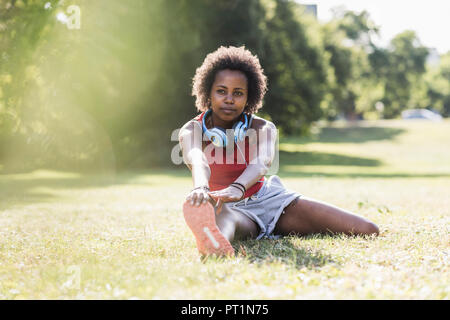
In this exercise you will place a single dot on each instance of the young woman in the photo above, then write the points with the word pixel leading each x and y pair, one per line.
pixel 232 199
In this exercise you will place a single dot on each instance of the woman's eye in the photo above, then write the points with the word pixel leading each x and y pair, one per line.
pixel 238 93
pixel 221 91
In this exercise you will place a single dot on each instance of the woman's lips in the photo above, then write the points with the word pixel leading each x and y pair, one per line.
pixel 227 110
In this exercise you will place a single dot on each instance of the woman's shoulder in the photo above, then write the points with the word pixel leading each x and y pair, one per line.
pixel 258 123
pixel 189 127
pixel 191 124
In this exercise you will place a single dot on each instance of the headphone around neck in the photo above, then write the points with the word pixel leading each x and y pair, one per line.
pixel 217 135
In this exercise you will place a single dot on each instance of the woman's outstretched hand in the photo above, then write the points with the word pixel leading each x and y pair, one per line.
pixel 198 196
pixel 201 195
pixel 229 194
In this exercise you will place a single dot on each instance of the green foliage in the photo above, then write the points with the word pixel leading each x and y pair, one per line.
pixel 358 27
pixel 109 95
pixel 296 72
pixel 22 25
pixel 347 40
pixel 402 65
pixel 76 92
pixel 437 85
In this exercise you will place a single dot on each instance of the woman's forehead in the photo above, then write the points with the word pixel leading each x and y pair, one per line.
pixel 233 78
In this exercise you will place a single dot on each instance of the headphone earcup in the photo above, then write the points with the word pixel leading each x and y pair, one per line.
pixel 217 137
pixel 239 131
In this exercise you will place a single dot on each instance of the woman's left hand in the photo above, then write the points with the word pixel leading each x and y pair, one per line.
pixel 229 194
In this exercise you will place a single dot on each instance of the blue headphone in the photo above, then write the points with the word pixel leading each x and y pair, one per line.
pixel 218 136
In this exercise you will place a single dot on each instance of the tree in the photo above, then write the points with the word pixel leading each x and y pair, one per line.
pixel 357 27
pixel 293 65
pixel 347 39
pixel 400 66
pixel 22 25
pixel 109 92
pixel 437 84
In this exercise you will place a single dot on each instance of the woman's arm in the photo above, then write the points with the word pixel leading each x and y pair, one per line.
pixel 190 138
pixel 263 151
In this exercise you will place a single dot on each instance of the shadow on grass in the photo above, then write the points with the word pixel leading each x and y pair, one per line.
pixel 324 159
pixel 283 251
pixel 39 186
pixel 288 159
pixel 382 175
pixel 349 134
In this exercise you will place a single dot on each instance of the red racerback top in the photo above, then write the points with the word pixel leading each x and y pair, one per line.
pixel 223 174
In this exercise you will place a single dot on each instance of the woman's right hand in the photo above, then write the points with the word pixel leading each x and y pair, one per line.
pixel 198 196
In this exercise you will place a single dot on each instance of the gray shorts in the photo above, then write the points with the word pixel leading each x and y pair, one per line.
pixel 265 206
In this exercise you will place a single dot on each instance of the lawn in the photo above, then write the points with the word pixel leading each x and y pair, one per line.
pixel 65 235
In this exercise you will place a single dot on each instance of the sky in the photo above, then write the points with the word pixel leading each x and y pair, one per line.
pixel 430 19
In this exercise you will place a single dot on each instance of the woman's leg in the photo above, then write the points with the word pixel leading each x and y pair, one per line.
pixel 236 226
pixel 305 216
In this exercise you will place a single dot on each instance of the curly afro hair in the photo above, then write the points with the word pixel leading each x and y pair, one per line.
pixel 232 58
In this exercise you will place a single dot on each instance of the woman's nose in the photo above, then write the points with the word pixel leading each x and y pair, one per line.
pixel 229 98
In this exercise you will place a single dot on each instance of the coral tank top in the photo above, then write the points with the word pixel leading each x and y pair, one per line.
pixel 223 174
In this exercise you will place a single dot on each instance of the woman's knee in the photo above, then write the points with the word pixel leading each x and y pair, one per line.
pixel 247 229
pixel 225 219
pixel 227 224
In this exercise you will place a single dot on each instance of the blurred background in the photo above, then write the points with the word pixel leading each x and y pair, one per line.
pixel 99 86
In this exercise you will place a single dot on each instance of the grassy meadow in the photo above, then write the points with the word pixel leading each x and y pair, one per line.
pixel 66 235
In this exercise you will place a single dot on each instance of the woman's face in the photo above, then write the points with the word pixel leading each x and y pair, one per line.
pixel 229 94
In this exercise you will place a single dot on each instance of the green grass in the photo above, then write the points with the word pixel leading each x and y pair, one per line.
pixel 122 236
